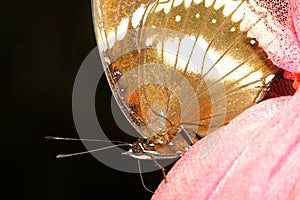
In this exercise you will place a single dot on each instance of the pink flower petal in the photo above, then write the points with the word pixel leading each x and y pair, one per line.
pixel 256 157
pixel 278 31
pixel 295 15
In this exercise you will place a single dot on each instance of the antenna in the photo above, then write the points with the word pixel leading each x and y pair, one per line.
pixel 89 151
pixel 84 139
pixel 87 140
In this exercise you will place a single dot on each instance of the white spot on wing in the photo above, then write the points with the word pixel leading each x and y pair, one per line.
pixel 197 1
pixel 137 16
pixel 122 28
pixel 252 42
pixel 164 6
pixel 239 13
pixel 177 3
pixel 187 3
pixel 269 78
pixel 111 38
pixel 178 18
pixel 209 3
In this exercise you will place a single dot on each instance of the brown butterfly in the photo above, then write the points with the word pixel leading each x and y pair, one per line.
pixel 179 69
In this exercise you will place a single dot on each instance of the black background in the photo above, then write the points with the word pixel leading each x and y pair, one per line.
pixel 44 44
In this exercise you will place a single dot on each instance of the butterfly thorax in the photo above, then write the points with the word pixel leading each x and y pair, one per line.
pixel 154 147
pixel 157 141
pixel 170 144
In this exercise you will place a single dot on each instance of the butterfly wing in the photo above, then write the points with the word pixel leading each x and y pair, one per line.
pixel 181 64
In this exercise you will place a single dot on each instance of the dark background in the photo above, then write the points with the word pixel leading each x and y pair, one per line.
pixel 43 46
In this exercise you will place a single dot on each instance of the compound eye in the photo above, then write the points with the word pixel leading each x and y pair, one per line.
pixel 133 107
